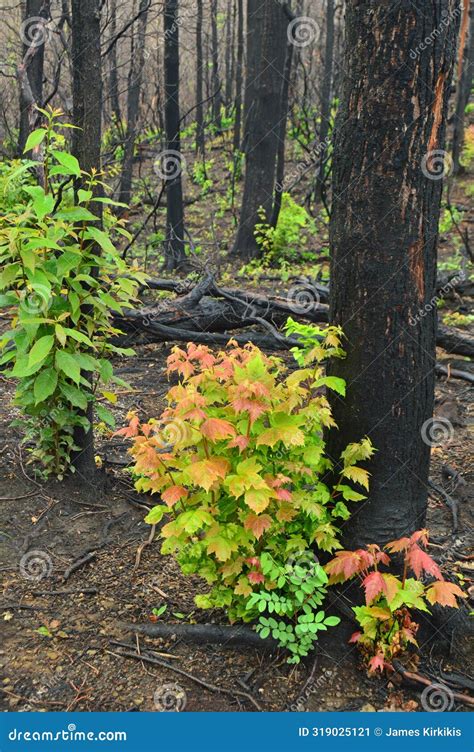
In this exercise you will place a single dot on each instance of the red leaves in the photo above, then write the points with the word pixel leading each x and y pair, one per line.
pixel 258 523
pixel 377 663
pixel 256 577
pixel 444 593
pixel 241 442
pixel 420 562
pixel 374 584
pixel 355 637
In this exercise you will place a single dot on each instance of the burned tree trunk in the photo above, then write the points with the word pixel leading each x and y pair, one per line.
pixel 133 102
pixel 200 136
pixel 384 228
pixel 262 130
pixel 238 75
pixel 87 103
pixel 216 82
pixel 326 102
pixel 30 72
pixel 171 162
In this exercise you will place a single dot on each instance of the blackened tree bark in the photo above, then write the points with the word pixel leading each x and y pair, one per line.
pixel 280 166
pixel 263 131
pixel 87 115
pixel 239 64
pixel 135 77
pixel 30 70
pixel 326 102
pixel 228 58
pixel 171 162
pixel 200 136
pixel 384 231
pixel 114 93
pixel 216 82
pixel 465 76
pixel 255 21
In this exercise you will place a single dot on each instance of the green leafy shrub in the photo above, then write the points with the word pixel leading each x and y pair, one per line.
pixel 61 280
pixel 286 240
pixel 201 169
pixel 239 459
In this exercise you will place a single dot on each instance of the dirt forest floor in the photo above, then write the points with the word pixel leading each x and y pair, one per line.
pixel 60 646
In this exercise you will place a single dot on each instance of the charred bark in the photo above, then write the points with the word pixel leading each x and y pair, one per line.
pixel 87 107
pixel 171 162
pixel 262 130
pixel 384 231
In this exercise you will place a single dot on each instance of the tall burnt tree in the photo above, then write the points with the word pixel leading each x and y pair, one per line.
pixel 239 75
pixel 262 125
pixel 135 77
pixel 87 115
pixel 216 81
pixel 384 230
pixel 171 163
pixel 200 134
pixel 326 101
pixel 30 71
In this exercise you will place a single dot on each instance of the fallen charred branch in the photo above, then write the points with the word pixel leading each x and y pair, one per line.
pixel 454 342
pixel 206 313
pixel 228 636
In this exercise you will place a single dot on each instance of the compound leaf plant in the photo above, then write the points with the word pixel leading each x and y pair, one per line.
pixel 61 279
pixel 238 458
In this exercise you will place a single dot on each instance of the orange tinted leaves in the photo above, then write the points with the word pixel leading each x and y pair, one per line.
pixel 419 562
pixel 258 524
pixel 374 584
pixel 131 430
pixel 355 637
pixel 344 566
pixel 206 472
pixel 398 545
pixel 444 593
pixel 216 429
pixel 174 494
pixel 392 586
